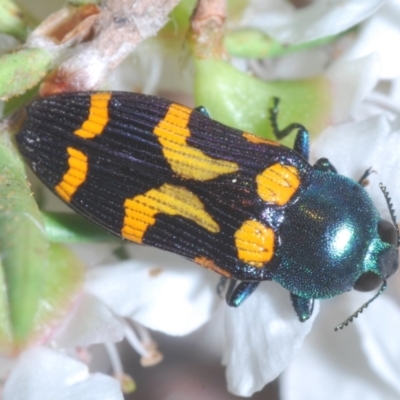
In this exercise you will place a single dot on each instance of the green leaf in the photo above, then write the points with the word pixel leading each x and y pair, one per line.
pixel 37 282
pixel 61 285
pixel 12 20
pixel 180 17
pixel 22 70
pixel 23 246
pixel 243 101
pixel 252 43
pixel 72 228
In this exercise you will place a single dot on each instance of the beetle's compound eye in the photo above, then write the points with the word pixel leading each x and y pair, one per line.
pixel 387 232
pixel 367 282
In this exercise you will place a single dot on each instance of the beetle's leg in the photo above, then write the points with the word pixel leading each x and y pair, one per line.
pixel 203 110
pixel 301 144
pixel 323 164
pixel 303 307
pixel 363 180
pixel 238 292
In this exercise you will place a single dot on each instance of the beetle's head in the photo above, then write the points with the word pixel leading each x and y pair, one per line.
pixel 387 261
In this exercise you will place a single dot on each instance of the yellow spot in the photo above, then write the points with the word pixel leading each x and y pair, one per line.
pixel 141 211
pixel 278 183
pixel 188 162
pixel 256 139
pixel 97 118
pixel 75 176
pixel 209 264
pixel 254 243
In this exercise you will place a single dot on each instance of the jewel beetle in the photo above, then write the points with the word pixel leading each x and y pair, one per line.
pixel 158 173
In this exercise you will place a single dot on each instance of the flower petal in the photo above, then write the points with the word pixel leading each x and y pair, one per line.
pixel 91 322
pixel 262 337
pixel 41 373
pixel 320 19
pixel 378 35
pixel 378 329
pixel 158 289
pixel 351 82
pixel 331 365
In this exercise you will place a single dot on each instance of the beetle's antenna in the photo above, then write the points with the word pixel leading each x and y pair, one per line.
pixel 362 308
pixel 391 211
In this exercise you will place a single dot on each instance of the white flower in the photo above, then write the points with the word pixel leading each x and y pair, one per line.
pixel 41 373
pixel 54 369
pixel 167 293
pixel 379 34
pixel 263 335
pixel 319 19
pixel 372 369
pixel 160 290
pixel 362 361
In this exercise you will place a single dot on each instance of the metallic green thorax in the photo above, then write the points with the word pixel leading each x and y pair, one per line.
pixel 329 238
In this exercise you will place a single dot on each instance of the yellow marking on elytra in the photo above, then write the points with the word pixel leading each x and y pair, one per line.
pixel 75 176
pixel 256 139
pixel 278 183
pixel 141 211
pixel 254 243
pixel 210 264
pixel 98 116
pixel 186 161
